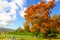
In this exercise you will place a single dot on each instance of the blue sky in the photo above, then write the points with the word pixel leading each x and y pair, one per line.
pixel 12 12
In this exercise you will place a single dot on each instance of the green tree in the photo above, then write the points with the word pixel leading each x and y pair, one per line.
pixel 54 17
pixel 19 29
pixel 59 17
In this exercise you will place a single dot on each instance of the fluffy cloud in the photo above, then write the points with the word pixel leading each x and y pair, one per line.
pixel 8 11
pixel 22 12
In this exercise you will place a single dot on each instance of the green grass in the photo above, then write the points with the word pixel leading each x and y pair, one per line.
pixel 1 36
pixel 25 36
pixel 20 33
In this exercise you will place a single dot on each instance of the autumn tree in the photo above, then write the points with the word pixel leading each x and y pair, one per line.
pixel 39 17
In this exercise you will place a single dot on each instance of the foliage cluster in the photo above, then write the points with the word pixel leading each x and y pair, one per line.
pixel 38 19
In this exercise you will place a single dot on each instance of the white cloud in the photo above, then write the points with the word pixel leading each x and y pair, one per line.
pixel 20 2
pixel 22 12
pixel 8 11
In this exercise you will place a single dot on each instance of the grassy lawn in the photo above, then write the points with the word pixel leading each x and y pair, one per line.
pixel 19 37
pixel 24 36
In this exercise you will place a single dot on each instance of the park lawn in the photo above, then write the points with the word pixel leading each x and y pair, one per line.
pixel 58 35
pixel 20 33
pixel 25 36
pixel 19 37
pixel 1 36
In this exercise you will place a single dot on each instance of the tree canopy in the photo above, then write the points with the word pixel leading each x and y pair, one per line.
pixel 39 17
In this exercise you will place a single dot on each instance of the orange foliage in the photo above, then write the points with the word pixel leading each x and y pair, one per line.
pixel 40 11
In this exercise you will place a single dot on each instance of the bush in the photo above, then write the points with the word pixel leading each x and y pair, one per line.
pixel 53 35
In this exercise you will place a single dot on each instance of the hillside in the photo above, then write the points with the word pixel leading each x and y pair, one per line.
pixel 2 29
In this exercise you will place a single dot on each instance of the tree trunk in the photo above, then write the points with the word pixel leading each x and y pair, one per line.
pixel 45 35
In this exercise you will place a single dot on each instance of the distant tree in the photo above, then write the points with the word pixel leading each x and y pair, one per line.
pixel 55 17
pixel 59 17
pixel 19 29
pixel 56 22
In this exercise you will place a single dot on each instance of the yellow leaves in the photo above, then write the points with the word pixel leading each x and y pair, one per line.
pixel 36 13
